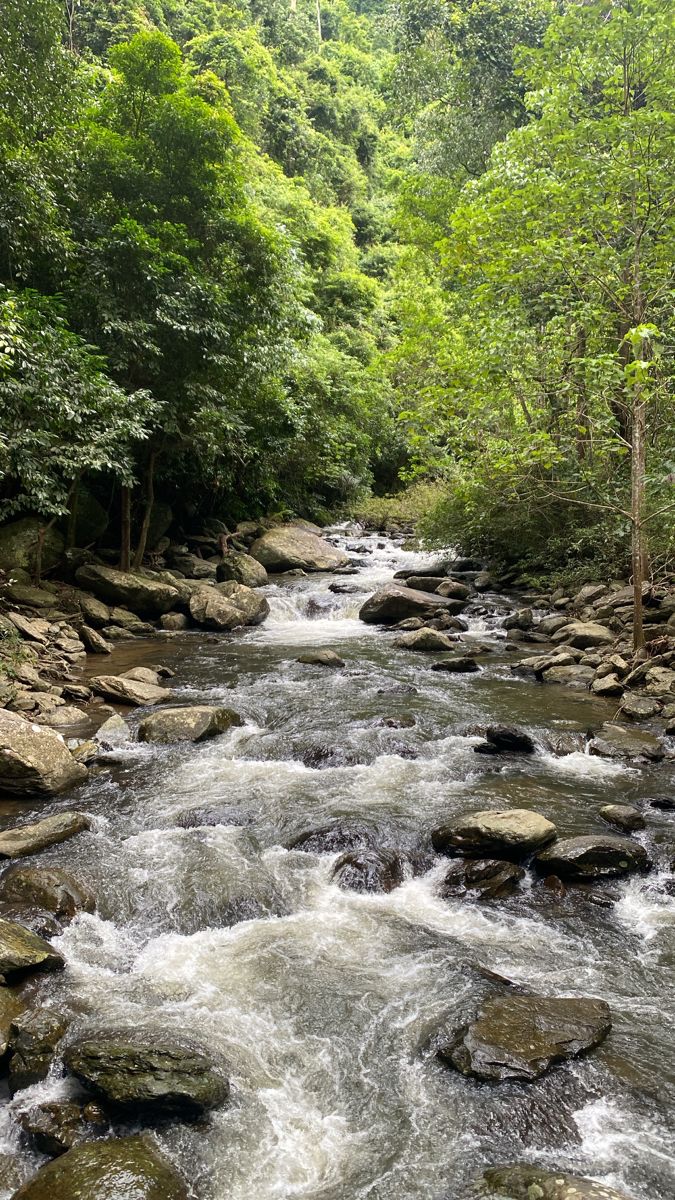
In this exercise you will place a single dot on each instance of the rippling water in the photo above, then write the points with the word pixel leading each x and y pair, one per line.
pixel 322 1002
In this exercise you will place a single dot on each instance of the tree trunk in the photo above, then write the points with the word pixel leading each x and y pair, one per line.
pixel 125 533
pixel 147 511
pixel 72 516
pixel 639 544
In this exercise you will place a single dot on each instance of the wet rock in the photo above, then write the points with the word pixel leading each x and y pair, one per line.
pixel 22 952
pixel 584 634
pixel 511 834
pixel 124 690
pixel 596 856
pixel 424 583
pixel 49 888
pixel 333 839
pixel 242 568
pixel 190 724
pixel 137 1069
pixel 398 689
pixel 522 619
pixel 615 741
pixel 321 757
pixel 506 739
pixel 114 730
pixel 370 870
pixel 460 665
pixel 663 803
pixel 288 548
pixel 525 1182
pixel 344 589
pixel 143 595
pixel 29 839
pixel 321 658
pixel 623 817
pixel 640 708
pixel 34 760
pixel 394 603
pixel 212 610
pixel 42 923
pixel 424 639
pixel 11 1006
pixel 522 1037
pixel 56 1126
pixel 34 1039
pixel 253 606
pixel 118 1169
pixel 480 878
pixel 225 814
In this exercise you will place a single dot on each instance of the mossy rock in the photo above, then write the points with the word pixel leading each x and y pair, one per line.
pixel 127 1168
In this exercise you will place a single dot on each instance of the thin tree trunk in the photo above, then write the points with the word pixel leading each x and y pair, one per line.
pixel 639 547
pixel 147 512
pixel 318 19
pixel 125 533
pixel 72 516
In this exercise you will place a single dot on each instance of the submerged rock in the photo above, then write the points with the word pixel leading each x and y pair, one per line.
pixel 394 603
pixel 128 1168
pixel 506 739
pixel 525 1182
pixel 50 888
pixel 370 870
pixel 521 1037
pixel 321 658
pixel 509 833
pixel 190 724
pixel 598 856
pixel 623 816
pixel 332 839
pixel 289 547
pixel 29 839
pixel 34 1038
pixel 35 919
pixel 22 952
pixel 56 1126
pixel 480 878
pixel 146 1070
pixel 34 760
pixel 226 814
pixel 11 1006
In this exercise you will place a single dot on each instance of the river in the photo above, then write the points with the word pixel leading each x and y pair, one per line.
pixel 321 1001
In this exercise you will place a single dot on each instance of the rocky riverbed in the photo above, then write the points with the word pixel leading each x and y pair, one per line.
pixel 353 880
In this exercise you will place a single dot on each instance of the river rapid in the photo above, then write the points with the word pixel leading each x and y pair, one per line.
pixel 322 1002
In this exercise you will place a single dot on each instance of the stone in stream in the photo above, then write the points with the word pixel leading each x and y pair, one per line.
pixel 126 690
pixel 511 833
pixel 523 1181
pixel 289 547
pixel 572 675
pixel 331 839
pixel 94 641
pixel 56 1126
pixel 22 952
pixel 34 760
pixel 451 589
pixel 321 658
pixel 29 839
pixel 251 604
pixel 226 814
pixel 522 1037
pixel 424 639
pixel 127 1168
pixel 461 665
pixel 50 888
pixel 11 1006
pixel 639 708
pixel 34 1038
pixel 42 923
pixel 146 1070
pixel 614 741
pixel 597 856
pixel 480 878
pixel 174 622
pixel 623 817
pixel 242 568
pixel 212 609
pixel 190 724
pixel 505 739
pixel 394 603
pixel 142 594
pixel 370 870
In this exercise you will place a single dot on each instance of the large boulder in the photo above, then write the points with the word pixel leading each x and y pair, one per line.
pixel 288 548
pixel 128 1168
pixel 146 596
pixel 124 690
pixel 584 635
pixel 35 760
pixel 136 1069
pixel 523 1181
pixel 49 888
pixel 211 610
pixel 252 606
pixel 596 856
pixel 614 741
pixel 18 542
pixel 29 839
pixel 425 639
pixel 394 603
pixel 521 1037
pixel 190 724
pixel 512 834
pixel 242 568
pixel 22 952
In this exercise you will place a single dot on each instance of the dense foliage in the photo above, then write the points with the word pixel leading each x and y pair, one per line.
pixel 275 255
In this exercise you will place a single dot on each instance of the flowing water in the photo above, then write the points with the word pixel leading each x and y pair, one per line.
pixel 323 1002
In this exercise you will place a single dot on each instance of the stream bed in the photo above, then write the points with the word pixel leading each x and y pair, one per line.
pixel 323 1002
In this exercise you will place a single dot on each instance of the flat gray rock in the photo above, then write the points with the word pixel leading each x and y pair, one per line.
pixel 22 952
pixel 509 833
pixel 190 724
pixel 29 839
